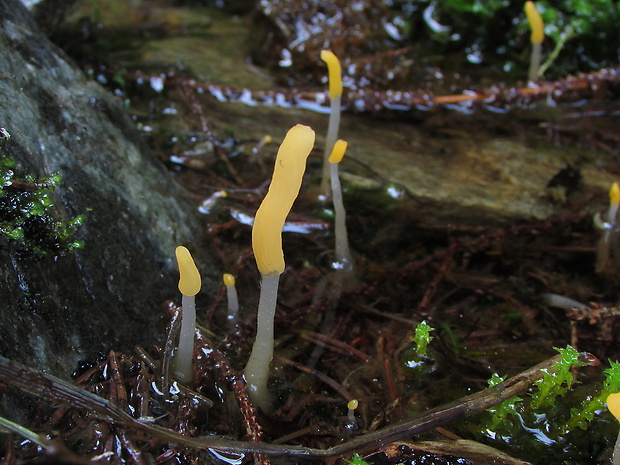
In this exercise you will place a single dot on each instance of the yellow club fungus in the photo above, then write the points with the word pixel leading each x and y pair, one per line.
pixel 352 406
pixel 267 139
pixel 344 260
pixel 189 285
pixel 335 93
pixel 267 245
pixel 351 423
pixel 613 404
pixel 538 34
pixel 340 147
pixel 334 73
pixel 233 299
pixel 608 249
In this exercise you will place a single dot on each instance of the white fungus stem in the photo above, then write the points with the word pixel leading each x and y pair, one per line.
pixel 344 261
pixel 185 352
pixel 332 135
pixel 233 300
pixel 535 61
pixel 257 370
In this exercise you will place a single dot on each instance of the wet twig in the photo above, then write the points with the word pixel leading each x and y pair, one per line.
pixel 59 391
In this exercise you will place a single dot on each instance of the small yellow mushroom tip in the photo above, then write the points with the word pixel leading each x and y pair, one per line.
pixel 340 147
pixel 353 404
pixel 536 23
pixel 189 280
pixel 614 195
pixel 229 280
pixel 335 73
pixel 613 404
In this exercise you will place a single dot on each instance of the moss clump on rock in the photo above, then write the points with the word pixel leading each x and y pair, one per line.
pixel 27 213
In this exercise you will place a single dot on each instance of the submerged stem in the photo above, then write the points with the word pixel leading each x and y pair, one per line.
pixel 257 370
pixel 343 253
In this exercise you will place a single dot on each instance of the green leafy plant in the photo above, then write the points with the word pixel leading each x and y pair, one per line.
pixel 422 338
pixel 557 381
pixel 554 383
pixel 592 404
pixel 501 411
pixel 27 213
pixel 357 460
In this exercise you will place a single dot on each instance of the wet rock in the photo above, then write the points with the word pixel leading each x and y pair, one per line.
pixel 61 307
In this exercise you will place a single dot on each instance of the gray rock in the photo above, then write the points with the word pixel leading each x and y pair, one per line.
pixel 60 308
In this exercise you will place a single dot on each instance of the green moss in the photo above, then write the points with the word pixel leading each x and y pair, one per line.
pixel 422 337
pixel 500 412
pixel 540 426
pixel 558 381
pixel 554 383
pixel 593 404
pixel 357 460
pixel 28 217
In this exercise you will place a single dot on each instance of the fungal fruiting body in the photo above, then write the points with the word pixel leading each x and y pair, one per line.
pixel 267 245
pixel 233 299
pixel 344 260
pixel 351 423
pixel 608 249
pixel 614 203
pixel 538 34
pixel 613 404
pixel 352 406
pixel 335 93
pixel 189 285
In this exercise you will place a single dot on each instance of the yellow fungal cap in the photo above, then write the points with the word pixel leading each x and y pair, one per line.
pixel 614 195
pixel 536 23
pixel 283 190
pixel 334 72
pixel 353 404
pixel 340 147
pixel 229 280
pixel 613 404
pixel 189 282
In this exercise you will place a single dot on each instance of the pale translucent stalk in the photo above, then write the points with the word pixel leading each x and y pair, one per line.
pixel 257 370
pixel 332 135
pixel 616 456
pixel 185 352
pixel 535 61
pixel 233 305
pixel 343 253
